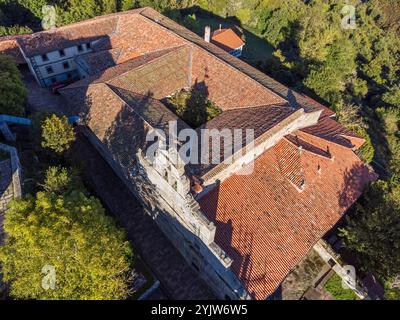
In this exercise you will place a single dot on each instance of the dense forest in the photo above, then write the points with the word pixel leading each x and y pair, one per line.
pixel 355 71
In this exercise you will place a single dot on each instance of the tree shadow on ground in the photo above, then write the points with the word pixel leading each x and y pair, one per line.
pixel 16 14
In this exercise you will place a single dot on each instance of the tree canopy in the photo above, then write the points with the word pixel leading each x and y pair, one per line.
pixel 354 71
pixel 57 133
pixel 12 89
pixel 193 107
pixel 69 234
pixel 374 231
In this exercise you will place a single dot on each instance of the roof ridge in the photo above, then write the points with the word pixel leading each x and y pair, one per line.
pixel 324 138
pixel 203 48
pixel 83 22
pixel 323 153
pixel 94 79
pixel 166 54
pixel 114 90
pixel 289 163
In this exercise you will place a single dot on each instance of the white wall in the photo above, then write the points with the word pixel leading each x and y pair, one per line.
pixel 54 56
pixel 57 68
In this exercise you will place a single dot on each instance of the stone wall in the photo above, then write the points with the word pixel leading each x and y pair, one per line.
pixel 185 226
pixel 6 195
pixel 6 186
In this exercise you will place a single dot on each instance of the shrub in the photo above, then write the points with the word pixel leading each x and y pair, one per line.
pixel 57 133
pixel 193 107
pixel 12 89
pixel 334 287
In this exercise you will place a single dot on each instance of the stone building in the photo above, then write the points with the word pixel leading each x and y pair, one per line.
pixel 242 231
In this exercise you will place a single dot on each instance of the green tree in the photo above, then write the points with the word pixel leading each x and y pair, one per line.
pixel 57 133
pixel 193 107
pixel 392 96
pixel 71 234
pixel 190 22
pixel 328 78
pixel 12 89
pixel 374 231
pixel 60 180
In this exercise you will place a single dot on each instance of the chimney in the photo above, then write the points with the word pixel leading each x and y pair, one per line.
pixel 207 34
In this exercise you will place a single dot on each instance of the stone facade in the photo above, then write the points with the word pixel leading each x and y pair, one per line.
pixel 122 104
pixel 167 199
pixel 6 185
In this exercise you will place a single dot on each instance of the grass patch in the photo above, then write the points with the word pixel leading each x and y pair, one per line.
pixel 193 107
pixel 335 289
pixel 256 48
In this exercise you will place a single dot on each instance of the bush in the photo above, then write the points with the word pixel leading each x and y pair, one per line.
pixel 57 133
pixel 367 151
pixel 334 287
pixel 193 107
pixel 12 89
pixel 68 241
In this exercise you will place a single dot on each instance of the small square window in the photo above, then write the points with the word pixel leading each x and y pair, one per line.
pixel 80 48
pixel 61 52
pixel 88 45
pixel 69 75
pixel 45 57
pixel 49 70
pixel 53 80
pixel 66 65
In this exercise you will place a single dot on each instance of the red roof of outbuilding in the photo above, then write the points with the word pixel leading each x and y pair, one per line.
pixel 226 39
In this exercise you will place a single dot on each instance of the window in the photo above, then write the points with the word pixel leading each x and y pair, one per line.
pixel 53 80
pixel 61 52
pixel 69 75
pixel 66 65
pixel 88 45
pixel 80 48
pixel 45 57
pixel 49 70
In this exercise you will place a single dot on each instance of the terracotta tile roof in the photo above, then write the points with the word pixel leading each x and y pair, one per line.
pixel 309 101
pixel 288 157
pixel 9 46
pixel 119 70
pixel 307 147
pixel 226 39
pixel 95 62
pixel 266 225
pixel 294 98
pixel 151 110
pixel 333 131
pixel 300 188
pixel 260 119
pixel 141 31
pixel 96 29
pixel 160 77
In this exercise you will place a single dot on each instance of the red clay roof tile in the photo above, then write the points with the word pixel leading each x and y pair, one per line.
pixel 266 225
pixel 226 39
